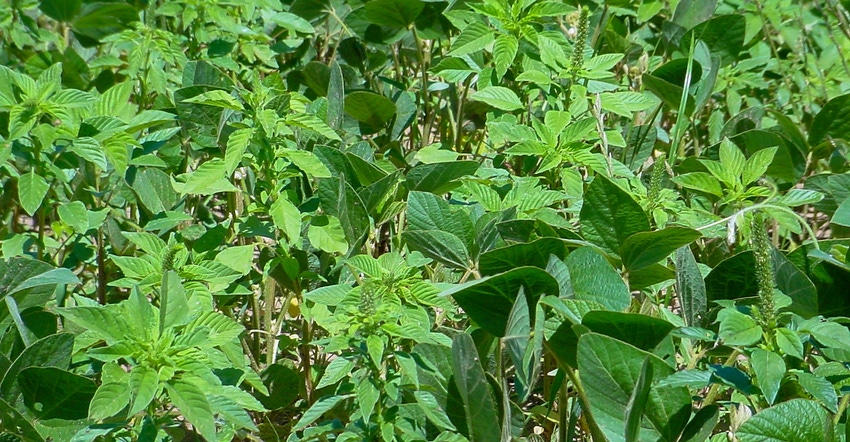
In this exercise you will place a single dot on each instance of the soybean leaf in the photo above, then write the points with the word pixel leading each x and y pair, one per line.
pixel 53 393
pixel 609 215
pixel 476 395
pixel 796 420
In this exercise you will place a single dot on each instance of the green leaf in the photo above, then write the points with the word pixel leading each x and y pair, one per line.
pixel 535 254
pixel 769 369
pixel 370 108
pixel 646 248
pixel 796 420
pixel 426 211
pixel 325 233
pixel 724 35
pixel 473 38
pixel 476 395
pixel 12 418
pixel 757 165
pixel 489 300
pixel 737 328
pixel 499 97
pixel 48 278
pixel 609 371
pixel 439 245
pixel 314 123
pixel 75 215
pixel 339 199
pixel 97 20
pixel 154 190
pixel 53 393
pixel 324 404
pixel 207 179
pixel 109 399
pixel 192 402
pixel 287 218
pixel 637 401
pixel 216 98
pixel 237 144
pixel 439 178
pixel 833 121
pixel 393 13
pixel 702 424
pixel 143 387
pixel 50 351
pixel 788 341
pixel 504 51
pixel 32 189
pixel 60 10
pixel 699 181
pixel 690 13
pixel 594 279
pixel 91 150
pixel 609 215
pixel 639 330
pixel 690 287
pixel 429 405
pixel 820 389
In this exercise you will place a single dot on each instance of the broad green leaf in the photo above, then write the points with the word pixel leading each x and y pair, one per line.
pixel 394 13
pixel 453 69
pixel 499 97
pixel 789 342
pixel 339 199
pixel 192 402
pixel 97 20
pixel 153 187
pixel 796 420
pixel 609 370
pixel 50 277
pixel 735 278
pixel 325 233
pixel 426 211
pixel 821 389
pixel 724 35
pixel 91 150
pixel 504 51
pixel 473 38
pixel 594 279
pixel 432 409
pixel 535 254
pixel 12 418
pixel 609 215
pixel 60 10
pixel 207 179
pixel 488 301
pixel 638 400
pixel 143 386
pixel 336 97
pixel 690 13
pixel 320 407
pixel 646 248
pixel 769 369
pixel 32 189
pixel 314 123
pixel 757 165
pixel 699 181
pixel 109 399
pixel 439 178
pixel 51 351
pixel 237 143
pixel 702 424
pixel 476 395
pixel 292 22
pixel 737 328
pixel 286 217
pixel 690 287
pixel 336 371
pixel 216 98
pixel 369 108
pixel 53 393
pixel 439 245
pixel 75 215
pixel 639 330
pixel 833 121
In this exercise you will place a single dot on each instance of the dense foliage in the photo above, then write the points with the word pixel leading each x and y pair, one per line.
pixel 424 220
